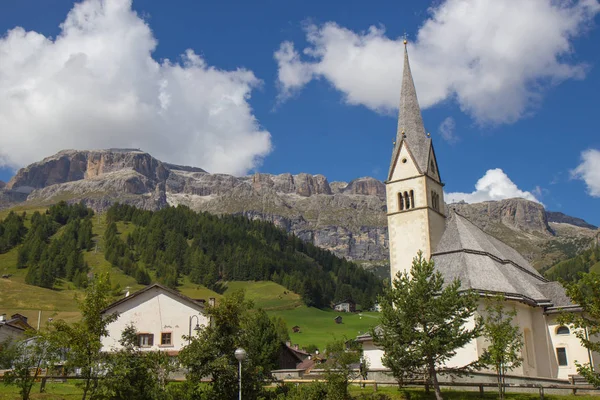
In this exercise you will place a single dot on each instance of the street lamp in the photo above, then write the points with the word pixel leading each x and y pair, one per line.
pixel 196 328
pixel 240 354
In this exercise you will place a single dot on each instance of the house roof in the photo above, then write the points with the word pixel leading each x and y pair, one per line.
pixel 349 301
pixel 155 286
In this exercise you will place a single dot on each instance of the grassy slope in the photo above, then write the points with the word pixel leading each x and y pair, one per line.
pixel 317 325
pixel 68 391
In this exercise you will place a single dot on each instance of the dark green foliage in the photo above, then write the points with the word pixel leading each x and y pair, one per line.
pixel 423 322
pixel 84 338
pixel 211 351
pixel 177 241
pixel 133 374
pixel 12 231
pixel 339 368
pixel 61 257
pixel 570 270
pixel 26 358
pixel 586 293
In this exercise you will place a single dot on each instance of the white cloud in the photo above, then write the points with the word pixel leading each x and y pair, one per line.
pixel 447 130
pixel 494 57
pixel 96 85
pixel 589 171
pixel 494 185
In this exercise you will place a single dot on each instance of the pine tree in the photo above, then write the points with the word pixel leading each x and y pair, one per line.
pixel 423 322
pixel 505 340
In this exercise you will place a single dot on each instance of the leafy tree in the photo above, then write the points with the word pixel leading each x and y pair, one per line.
pixel 134 374
pixel 211 352
pixel 27 358
pixel 586 293
pixel 283 333
pixel 423 323
pixel 83 338
pixel 505 340
pixel 339 368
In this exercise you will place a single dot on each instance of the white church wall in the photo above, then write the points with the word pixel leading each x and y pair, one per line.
pixel 573 350
pixel 154 312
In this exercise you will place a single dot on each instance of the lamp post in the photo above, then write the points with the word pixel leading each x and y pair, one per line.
pixel 240 354
pixel 196 328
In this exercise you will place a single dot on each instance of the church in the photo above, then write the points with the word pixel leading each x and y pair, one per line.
pixel 418 220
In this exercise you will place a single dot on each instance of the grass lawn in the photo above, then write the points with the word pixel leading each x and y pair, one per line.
pixel 54 391
pixel 318 327
pixel 68 391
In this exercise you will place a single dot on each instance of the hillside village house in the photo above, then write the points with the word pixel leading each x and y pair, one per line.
pixel 418 220
pixel 345 306
pixel 13 328
pixel 161 317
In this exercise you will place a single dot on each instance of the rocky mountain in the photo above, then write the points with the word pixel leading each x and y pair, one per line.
pixel 345 217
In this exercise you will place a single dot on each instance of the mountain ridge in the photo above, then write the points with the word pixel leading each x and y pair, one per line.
pixel 348 218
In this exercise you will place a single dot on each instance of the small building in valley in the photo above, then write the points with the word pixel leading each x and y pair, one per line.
pixel 338 319
pixel 160 315
pixel 347 305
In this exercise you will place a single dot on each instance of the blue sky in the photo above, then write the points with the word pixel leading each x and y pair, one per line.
pixel 509 93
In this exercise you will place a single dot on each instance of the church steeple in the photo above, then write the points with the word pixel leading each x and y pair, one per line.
pixel 414 190
pixel 410 123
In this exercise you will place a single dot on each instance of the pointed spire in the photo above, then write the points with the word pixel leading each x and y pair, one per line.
pixel 410 122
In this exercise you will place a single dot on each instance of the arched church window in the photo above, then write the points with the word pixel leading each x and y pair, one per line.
pixel 412 198
pixel 406 200
pixel 400 201
pixel 562 330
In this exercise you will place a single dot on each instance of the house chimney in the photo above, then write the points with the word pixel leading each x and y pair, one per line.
pixel 211 301
pixel 296 347
pixel 288 343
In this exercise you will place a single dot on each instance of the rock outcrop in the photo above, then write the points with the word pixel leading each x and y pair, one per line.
pixel 348 218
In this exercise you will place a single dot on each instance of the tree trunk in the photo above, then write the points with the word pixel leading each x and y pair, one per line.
pixel 434 381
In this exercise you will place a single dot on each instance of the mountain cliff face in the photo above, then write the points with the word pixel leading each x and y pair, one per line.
pixel 348 218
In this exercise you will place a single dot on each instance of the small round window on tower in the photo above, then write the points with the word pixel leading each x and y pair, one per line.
pixel 404 161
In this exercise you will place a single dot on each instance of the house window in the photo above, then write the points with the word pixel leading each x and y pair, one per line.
pixel 400 201
pixel 562 330
pixel 145 339
pixel 165 339
pixel 407 200
pixel 561 355
pixel 412 198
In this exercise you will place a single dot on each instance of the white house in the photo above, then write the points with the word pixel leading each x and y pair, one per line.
pixel 345 306
pixel 161 316
pixel 417 220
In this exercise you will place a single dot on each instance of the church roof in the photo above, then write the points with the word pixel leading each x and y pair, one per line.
pixel 410 123
pixel 485 264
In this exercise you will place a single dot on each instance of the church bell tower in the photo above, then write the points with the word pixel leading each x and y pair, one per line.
pixel 415 195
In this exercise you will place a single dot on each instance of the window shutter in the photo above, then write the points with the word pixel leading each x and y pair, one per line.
pixel 150 340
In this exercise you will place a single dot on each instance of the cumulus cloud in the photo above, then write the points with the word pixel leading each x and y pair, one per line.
pixel 447 130
pixel 494 185
pixel 96 85
pixel 494 57
pixel 589 171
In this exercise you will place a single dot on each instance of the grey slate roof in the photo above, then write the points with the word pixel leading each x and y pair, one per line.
pixel 411 123
pixel 557 294
pixel 485 264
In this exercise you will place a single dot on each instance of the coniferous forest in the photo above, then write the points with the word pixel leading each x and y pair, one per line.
pixel 209 249
pixel 176 242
